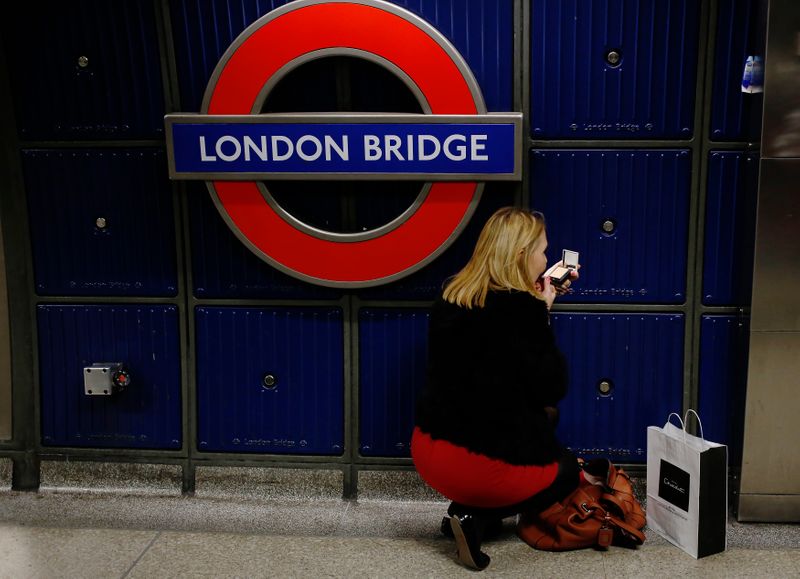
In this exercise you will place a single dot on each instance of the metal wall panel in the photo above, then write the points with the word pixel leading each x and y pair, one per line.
pixel 644 195
pixel 481 31
pixel 730 228
pixel 649 93
pixel 203 31
pixel 776 277
pixel 427 283
pixel 736 115
pixel 301 411
pixel 641 356
pixel 69 190
pixel 771 425
pixel 146 339
pixel 392 360
pixel 117 94
pixel 223 267
pixel 780 136
pixel 723 381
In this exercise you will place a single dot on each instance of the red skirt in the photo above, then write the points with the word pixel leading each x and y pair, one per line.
pixel 473 479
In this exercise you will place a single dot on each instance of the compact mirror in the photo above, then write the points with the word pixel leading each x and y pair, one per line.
pixel 569 258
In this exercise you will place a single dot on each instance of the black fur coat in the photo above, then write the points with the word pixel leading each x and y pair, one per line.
pixel 491 372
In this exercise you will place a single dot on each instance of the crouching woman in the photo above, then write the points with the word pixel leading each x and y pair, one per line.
pixel 485 423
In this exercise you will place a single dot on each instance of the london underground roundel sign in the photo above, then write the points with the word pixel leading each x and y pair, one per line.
pixel 454 146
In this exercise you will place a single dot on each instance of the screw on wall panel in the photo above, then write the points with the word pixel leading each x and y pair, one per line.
pixel 613 57
pixel 604 387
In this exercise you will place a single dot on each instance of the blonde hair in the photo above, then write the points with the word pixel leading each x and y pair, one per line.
pixel 500 258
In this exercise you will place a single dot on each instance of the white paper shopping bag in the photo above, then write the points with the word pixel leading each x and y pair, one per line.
pixel 687 488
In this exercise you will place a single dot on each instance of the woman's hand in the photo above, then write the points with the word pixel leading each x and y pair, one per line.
pixel 548 291
pixel 565 287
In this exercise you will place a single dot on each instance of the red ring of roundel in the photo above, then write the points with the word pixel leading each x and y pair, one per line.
pixel 391 37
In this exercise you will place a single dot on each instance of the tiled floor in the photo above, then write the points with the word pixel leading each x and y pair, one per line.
pixel 102 535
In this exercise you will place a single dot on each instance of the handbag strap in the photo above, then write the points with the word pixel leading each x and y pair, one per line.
pixel 610 521
pixel 628 531
pixel 614 501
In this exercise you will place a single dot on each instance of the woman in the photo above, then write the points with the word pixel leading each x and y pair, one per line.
pixel 485 425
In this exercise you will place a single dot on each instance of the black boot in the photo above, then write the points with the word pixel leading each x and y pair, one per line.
pixel 468 531
pixel 493 528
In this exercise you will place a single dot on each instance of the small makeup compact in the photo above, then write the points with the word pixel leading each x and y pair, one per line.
pixel 560 272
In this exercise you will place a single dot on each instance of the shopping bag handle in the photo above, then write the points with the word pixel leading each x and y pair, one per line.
pixel 686 421
pixel 678 416
pixel 683 425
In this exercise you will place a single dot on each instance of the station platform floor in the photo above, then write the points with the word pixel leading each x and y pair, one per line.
pixel 82 534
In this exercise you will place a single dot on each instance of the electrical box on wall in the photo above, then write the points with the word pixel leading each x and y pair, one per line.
pixel 105 379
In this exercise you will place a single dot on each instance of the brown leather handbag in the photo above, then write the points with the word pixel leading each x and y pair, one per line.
pixel 618 491
pixel 602 511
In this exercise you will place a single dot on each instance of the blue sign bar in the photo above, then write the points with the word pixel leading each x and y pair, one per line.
pixel 476 147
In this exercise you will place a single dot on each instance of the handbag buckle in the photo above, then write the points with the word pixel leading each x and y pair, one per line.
pixel 586 508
